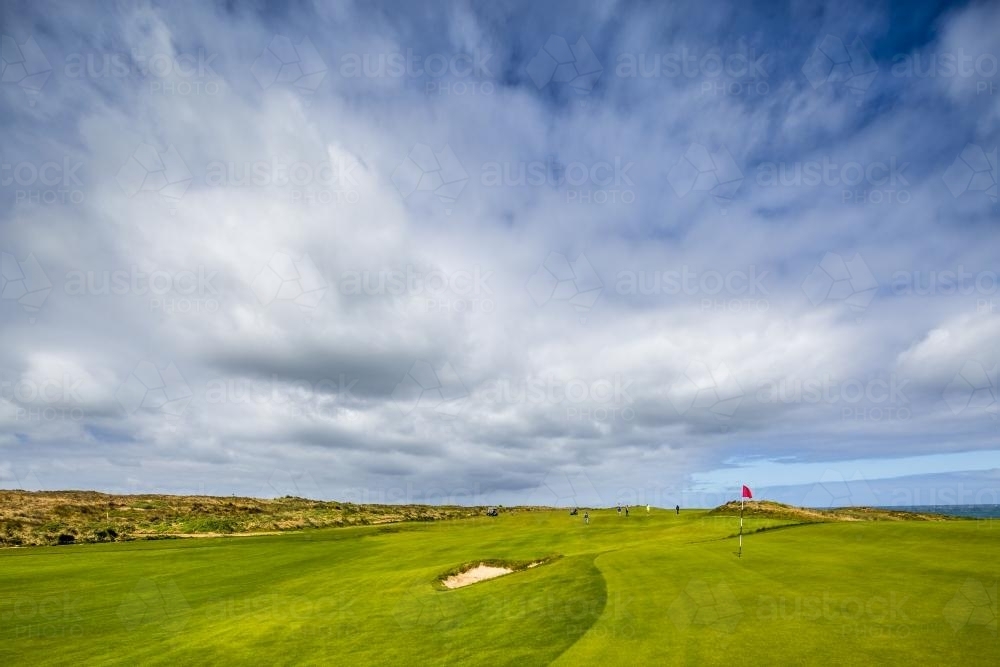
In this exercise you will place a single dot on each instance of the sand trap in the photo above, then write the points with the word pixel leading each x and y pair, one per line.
pixel 482 572
pixel 475 575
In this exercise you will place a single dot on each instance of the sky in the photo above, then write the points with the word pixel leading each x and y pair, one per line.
pixel 502 253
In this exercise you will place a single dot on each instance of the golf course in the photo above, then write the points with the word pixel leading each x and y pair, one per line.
pixel 650 588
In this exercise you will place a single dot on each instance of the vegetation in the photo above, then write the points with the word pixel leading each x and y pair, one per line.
pixel 648 589
pixel 767 509
pixel 72 517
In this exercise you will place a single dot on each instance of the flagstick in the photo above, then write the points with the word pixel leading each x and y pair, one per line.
pixel 740 553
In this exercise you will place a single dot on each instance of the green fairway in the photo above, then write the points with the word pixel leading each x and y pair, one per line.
pixel 648 589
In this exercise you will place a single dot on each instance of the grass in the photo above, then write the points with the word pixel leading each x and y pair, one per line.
pixel 649 589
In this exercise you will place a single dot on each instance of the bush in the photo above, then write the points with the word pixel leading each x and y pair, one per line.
pixel 108 534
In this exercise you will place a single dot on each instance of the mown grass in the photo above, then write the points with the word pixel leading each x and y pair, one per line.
pixel 649 589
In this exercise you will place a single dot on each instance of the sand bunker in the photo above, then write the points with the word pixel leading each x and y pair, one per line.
pixel 481 572
pixel 475 575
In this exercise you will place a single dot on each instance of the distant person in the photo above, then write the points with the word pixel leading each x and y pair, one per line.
pixel 619 510
pixel 586 518
pixel 647 509
pixel 626 511
pixel 677 509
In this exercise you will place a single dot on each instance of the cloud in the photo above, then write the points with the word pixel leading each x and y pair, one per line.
pixel 295 214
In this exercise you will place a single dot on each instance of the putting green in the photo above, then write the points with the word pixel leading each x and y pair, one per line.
pixel 659 588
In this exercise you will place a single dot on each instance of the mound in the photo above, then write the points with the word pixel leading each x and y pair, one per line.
pixel 29 518
pixel 771 510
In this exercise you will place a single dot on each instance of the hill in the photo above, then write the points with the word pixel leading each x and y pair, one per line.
pixel 65 517
pixel 767 509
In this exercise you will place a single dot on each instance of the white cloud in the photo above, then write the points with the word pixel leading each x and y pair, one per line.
pixel 306 385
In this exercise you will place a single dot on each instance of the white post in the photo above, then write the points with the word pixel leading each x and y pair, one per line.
pixel 741 522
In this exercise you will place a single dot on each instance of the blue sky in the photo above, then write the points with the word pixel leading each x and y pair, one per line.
pixel 562 253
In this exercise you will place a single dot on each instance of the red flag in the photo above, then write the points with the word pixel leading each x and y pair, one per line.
pixel 746 492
